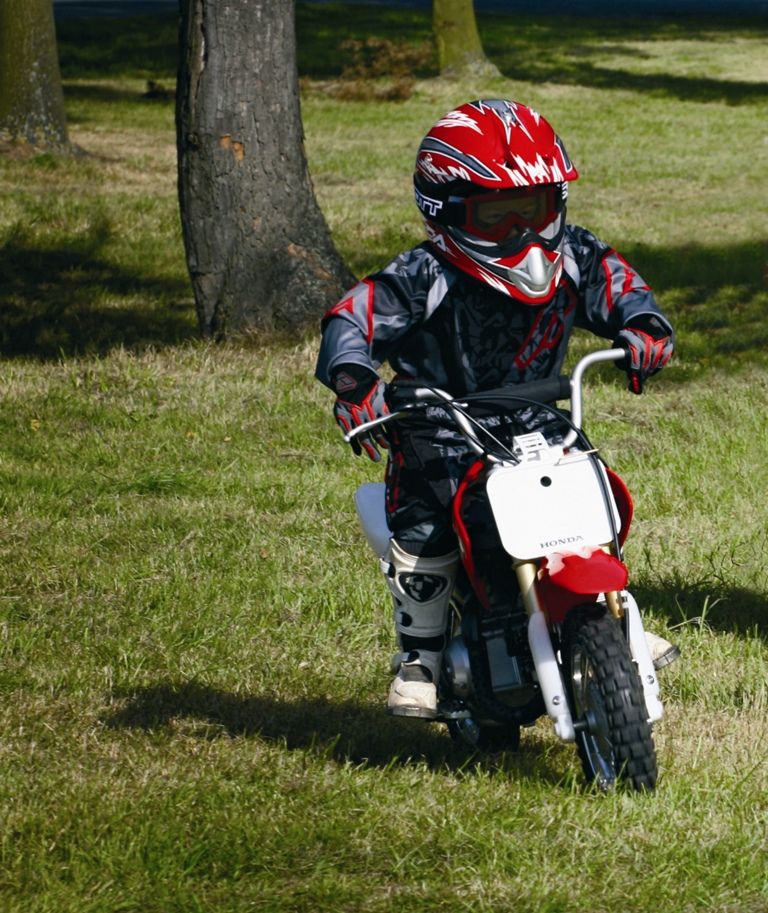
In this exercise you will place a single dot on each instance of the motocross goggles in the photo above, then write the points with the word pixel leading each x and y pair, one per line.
pixel 507 214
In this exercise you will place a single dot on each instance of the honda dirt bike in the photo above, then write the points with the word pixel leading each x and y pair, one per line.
pixel 561 635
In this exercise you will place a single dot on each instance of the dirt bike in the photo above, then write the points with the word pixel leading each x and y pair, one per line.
pixel 541 621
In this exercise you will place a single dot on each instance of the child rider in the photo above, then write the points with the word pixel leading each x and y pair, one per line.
pixel 491 298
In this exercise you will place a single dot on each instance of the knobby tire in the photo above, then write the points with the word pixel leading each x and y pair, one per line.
pixel 604 687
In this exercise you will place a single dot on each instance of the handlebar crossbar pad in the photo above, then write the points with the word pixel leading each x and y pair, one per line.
pixel 540 391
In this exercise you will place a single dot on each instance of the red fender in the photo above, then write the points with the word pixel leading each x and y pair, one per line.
pixel 570 580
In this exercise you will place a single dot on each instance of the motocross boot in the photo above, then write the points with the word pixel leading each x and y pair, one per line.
pixel 662 651
pixel 421 591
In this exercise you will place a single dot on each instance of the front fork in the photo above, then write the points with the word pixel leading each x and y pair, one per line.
pixel 544 659
pixel 638 646
pixel 621 605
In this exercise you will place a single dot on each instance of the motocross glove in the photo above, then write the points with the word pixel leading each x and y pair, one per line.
pixel 359 399
pixel 648 342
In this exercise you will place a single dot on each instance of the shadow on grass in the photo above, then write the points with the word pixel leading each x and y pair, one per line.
pixel 722 607
pixel 536 48
pixel 701 266
pixel 106 94
pixel 65 298
pixel 541 49
pixel 346 731
pixel 689 89
pixel 62 296
pixel 140 46
pixel 716 295
pixel 729 594
pixel 322 29
pixel 557 50
pixel 528 48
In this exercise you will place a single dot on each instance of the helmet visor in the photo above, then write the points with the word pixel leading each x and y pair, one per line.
pixel 503 215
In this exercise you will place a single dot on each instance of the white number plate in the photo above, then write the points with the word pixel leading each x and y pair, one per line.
pixel 541 508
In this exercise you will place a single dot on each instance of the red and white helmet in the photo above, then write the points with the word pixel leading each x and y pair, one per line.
pixel 491 181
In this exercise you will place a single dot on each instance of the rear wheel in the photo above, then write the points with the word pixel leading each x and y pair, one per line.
pixel 613 733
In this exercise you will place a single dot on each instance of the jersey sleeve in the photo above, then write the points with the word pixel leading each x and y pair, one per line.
pixel 378 311
pixel 611 292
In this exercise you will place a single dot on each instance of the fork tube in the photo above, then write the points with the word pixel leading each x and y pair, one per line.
pixel 547 669
pixel 526 577
pixel 614 605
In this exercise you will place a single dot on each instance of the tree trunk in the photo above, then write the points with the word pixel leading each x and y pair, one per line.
pixel 31 97
pixel 258 248
pixel 459 49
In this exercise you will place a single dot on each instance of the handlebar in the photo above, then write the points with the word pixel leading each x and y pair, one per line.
pixel 587 361
pixel 538 391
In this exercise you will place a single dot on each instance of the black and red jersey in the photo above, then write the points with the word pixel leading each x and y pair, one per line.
pixel 433 323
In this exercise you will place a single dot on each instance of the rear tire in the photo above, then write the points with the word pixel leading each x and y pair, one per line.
pixel 614 738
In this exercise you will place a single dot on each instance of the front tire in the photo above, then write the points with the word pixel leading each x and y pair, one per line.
pixel 607 702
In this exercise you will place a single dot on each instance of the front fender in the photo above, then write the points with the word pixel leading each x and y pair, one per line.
pixel 569 579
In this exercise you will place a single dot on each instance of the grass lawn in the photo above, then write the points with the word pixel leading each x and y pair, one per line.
pixel 194 642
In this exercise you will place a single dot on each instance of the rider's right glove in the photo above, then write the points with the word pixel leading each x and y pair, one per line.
pixel 359 399
pixel 649 343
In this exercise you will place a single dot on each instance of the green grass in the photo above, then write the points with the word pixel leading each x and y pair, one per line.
pixel 194 643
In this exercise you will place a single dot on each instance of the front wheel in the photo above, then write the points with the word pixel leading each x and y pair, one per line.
pixel 607 702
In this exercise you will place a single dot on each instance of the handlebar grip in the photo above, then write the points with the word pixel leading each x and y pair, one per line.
pixel 540 391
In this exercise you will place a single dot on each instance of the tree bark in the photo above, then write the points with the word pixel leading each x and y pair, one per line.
pixel 31 96
pixel 259 251
pixel 459 49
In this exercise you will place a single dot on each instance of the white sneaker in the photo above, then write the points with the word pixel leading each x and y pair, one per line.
pixel 413 693
pixel 662 651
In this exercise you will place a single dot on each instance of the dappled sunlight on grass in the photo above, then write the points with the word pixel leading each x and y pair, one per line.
pixel 194 637
pixel 143 46
pixel 653 57
pixel 191 621
pixel 718 295
pixel 70 291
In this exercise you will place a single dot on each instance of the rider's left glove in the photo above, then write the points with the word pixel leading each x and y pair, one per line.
pixel 649 343
pixel 360 396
